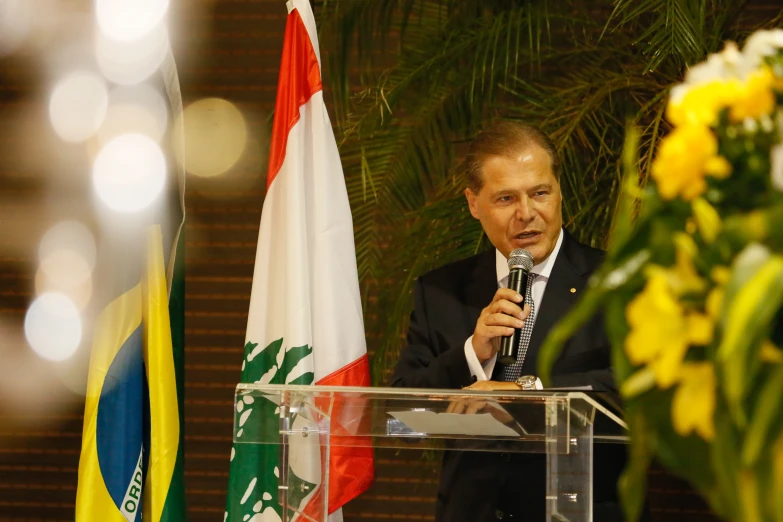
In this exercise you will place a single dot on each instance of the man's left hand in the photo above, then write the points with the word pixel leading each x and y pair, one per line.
pixel 493 386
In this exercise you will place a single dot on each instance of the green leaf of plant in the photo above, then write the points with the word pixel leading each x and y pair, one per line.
pixel 725 465
pixel 622 223
pixel 766 411
pixel 753 297
pixel 553 345
pixel 633 482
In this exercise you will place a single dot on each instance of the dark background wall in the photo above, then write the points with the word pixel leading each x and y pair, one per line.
pixel 228 49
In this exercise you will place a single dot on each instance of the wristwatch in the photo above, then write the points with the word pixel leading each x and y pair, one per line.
pixel 526 382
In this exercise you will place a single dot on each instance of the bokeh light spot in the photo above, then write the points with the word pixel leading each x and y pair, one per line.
pixel 129 172
pixel 78 105
pixel 53 327
pixel 215 137
pixel 129 63
pixel 15 23
pixel 137 109
pixel 79 293
pixel 67 253
pixel 126 20
pixel 66 257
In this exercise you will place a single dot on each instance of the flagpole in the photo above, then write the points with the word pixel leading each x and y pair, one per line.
pixel 285 427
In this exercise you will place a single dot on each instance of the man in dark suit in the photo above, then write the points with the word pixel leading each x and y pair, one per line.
pixel 462 310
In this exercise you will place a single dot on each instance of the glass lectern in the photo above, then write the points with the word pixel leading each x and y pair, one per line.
pixel 300 428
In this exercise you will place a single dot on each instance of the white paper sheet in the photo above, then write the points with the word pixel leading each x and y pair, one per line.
pixel 433 423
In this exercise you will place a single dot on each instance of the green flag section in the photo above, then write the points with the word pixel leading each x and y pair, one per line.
pixel 255 470
pixel 165 447
pixel 174 508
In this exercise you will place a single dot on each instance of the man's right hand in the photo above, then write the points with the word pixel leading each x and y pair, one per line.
pixel 498 320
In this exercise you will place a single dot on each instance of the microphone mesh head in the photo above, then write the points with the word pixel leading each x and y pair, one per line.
pixel 520 258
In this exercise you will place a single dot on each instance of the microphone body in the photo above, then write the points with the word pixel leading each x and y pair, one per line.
pixel 520 262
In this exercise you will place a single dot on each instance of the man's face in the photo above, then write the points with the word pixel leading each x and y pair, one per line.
pixel 519 204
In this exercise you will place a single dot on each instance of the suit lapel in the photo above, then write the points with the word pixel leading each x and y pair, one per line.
pixel 566 282
pixel 570 271
pixel 481 288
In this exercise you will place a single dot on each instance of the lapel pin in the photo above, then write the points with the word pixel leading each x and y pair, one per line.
pixel 573 290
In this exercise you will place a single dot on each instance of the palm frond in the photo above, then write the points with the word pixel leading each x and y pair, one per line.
pixel 679 32
pixel 430 72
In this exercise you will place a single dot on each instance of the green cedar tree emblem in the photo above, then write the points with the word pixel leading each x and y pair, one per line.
pixel 253 479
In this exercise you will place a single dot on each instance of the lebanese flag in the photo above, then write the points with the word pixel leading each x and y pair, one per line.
pixel 305 282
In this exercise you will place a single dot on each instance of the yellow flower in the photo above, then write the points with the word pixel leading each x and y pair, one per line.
pixel 661 331
pixel 770 353
pixel 701 104
pixel 756 97
pixel 718 167
pixel 755 225
pixel 700 328
pixel 714 302
pixel 685 156
pixel 654 315
pixel 685 247
pixel 683 276
pixel 693 406
pixel 720 274
pixel 707 219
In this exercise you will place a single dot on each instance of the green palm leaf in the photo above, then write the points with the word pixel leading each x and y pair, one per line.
pixel 431 72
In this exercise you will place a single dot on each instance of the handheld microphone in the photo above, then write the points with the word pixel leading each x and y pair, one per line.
pixel 520 262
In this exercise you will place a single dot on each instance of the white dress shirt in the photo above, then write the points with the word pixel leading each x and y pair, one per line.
pixel 543 269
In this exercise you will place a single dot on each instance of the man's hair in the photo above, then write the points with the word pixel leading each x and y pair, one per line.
pixel 505 138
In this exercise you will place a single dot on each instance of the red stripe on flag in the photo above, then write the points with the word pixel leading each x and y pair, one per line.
pixel 351 468
pixel 356 373
pixel 300 78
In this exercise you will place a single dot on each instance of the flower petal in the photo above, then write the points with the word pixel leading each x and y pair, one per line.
pixel 700 328
pixel 693 405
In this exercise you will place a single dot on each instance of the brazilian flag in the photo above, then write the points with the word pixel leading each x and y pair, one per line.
pixel 132 457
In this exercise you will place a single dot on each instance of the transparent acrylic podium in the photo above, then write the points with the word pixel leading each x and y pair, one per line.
pixel 300 428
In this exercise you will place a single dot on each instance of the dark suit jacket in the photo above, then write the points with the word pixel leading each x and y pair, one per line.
pixel 477 487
